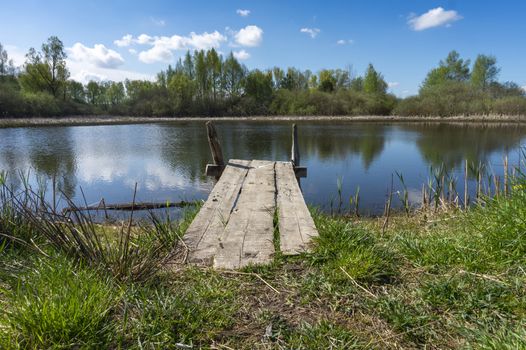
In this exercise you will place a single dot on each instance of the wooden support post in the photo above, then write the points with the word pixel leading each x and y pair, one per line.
pixel 217 168
pixel 215 147
pixel 295 152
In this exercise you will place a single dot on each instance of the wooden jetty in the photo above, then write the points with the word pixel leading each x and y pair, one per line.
pixel 254 205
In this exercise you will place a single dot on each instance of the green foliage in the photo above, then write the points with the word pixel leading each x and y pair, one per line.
pixel 46 70
pixel 127 253
pixel 56 304
pixel 373 82
pixel 471 297
pixel 488 238
pixel 507 336
pixel 451 281
pixel 322 335
pixel 204 83
pixel 194 310
pixel 485 72
pixel 344 246
pixel 327 81
pixel 410 319
pixel 452 90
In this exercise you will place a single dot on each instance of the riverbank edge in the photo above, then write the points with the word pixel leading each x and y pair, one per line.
pixel 114 120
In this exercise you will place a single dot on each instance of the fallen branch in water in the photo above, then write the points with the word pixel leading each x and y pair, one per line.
pixel 130 206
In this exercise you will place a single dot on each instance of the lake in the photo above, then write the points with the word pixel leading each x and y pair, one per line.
pixel 167 160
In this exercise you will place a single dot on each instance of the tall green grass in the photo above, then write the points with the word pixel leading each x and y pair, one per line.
pixel 130 251
pixel 490 237
pixel 57 304
pixel 342 245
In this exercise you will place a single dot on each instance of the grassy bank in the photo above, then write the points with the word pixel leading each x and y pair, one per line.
pixel 115 120
pixel 448 280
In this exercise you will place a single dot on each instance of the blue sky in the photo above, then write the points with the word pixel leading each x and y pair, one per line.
pixel 402 38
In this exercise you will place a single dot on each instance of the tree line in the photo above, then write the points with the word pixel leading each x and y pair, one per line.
pixel 204 83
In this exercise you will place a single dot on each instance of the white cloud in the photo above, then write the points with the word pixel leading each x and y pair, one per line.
pixel 243 13
pixel 126 40
pixel 144 39
pixel 524 88
pixel 345 42
pixel 313 32
pixel 158 53
pixel 132 51
pixel 433 18
pixel 205 40
pixel 393 84
pixel 241 55
pixel 85 77
pixel 163 46
pixel 99 55
pixel 99 64
pixel 84 73
pixel 249 36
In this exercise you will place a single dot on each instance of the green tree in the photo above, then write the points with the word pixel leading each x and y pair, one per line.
pixel 115 93
pixel 485 72
pixel 453 68
pixel 93 92
pixel 75 91
pixel 46 70
pixel 214 66
pixel 373 82
pixel 327 81
pixel 233 75
pixel 202 76
pixel 258 90
pixel 457 68
pixel 356 84
pixel 182 90
pixel 188 65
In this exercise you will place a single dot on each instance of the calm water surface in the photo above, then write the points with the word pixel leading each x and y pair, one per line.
pixel 167 161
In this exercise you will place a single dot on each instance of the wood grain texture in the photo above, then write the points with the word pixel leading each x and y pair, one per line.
pixel 296 226
pixel 248 236
pixel 205 232
pixel 235 226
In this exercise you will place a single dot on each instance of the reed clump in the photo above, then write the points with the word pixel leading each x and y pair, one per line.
pixel 128 250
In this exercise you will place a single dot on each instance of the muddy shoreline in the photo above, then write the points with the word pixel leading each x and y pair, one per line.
pixel 108 120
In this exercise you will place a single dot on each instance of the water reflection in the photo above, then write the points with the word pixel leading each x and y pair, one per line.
pixel 167 161
pixel 452 144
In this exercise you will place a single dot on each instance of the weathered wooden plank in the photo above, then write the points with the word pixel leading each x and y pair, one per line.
pixel 296 226
pixel 248 236
pixel 204 233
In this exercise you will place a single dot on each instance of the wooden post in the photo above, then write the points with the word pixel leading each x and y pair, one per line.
pixel 295 155
pixel 295 152
pixel 215 147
